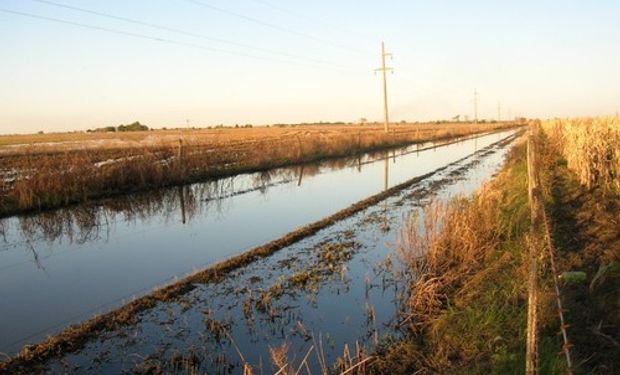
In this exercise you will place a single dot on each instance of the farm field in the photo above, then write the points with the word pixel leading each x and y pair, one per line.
pixel 45 171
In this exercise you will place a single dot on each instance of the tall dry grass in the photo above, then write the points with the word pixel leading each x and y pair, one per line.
pixel 591 147
pixel 466 291
pixel 467 297
pixel 446 251
pixel 46 176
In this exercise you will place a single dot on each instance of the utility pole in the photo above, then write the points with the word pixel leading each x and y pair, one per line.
pixel 499 111
pixel 384 70
pixel 475 106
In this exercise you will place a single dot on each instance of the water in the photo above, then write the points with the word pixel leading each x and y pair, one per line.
pixel 64 266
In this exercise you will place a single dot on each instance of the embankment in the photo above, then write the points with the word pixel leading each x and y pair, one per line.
pixel 468 267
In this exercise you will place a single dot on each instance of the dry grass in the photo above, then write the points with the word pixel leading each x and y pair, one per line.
pixel 591 148
pixel 467 304
pixel 467 295
pixel 586 235
pixel 448 252
pixel 79 167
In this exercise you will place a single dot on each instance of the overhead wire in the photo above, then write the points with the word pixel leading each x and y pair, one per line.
pixel 184 32
pixel 277 27
pixel 305 18
pixel 166 40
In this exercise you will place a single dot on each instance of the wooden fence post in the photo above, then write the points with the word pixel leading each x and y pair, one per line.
pixel 180 155
pixel 534 194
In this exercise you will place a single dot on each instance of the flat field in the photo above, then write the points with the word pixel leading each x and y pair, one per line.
pixel 49 170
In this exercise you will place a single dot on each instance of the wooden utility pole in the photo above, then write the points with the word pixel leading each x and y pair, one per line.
pixel 383 69
pixel 475 106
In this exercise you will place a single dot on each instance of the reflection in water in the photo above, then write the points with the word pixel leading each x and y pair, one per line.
pixel 182 200
pixel 386 178
pixel 92 221
pixel 74 262
pixel 301 175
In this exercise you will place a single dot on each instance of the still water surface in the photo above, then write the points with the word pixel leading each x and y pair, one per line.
pixel 64 266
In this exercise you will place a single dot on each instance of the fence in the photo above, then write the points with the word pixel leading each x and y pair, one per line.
pixel 540 239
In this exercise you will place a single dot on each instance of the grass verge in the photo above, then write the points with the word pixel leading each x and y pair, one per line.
pixel 468 297
pixel 467 307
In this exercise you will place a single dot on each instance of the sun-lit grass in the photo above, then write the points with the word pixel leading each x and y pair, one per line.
pixel 46 175
pixel 591 147
pixel 467 304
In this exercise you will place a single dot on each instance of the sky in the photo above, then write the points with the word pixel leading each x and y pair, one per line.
pixel 167 63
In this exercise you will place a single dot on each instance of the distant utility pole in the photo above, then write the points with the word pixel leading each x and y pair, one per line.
pixel 499 111
pixel 476 106
pixel 384 70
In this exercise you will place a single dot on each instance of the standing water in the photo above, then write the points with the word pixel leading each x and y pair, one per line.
pixel 64 266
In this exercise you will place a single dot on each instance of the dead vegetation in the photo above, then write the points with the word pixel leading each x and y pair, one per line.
pixel 39 176
pixel 467 302
pixel 583 206
pixel 591 148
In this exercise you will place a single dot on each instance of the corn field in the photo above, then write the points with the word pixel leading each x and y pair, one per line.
pixel 591 147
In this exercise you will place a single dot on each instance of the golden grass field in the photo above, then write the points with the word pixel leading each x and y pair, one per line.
pixel 50 170
pixel 591 148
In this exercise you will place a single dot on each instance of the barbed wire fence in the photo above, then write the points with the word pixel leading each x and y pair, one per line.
pixel 538 243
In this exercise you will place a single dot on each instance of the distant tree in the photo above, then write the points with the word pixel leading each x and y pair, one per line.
pixel 135 126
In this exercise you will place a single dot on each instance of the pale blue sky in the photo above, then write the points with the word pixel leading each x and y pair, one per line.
pixel 538 58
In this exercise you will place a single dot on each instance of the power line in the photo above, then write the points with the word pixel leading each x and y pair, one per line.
pixel 303 17
pixel 276 27
pixel 182 32
pixel 163 40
